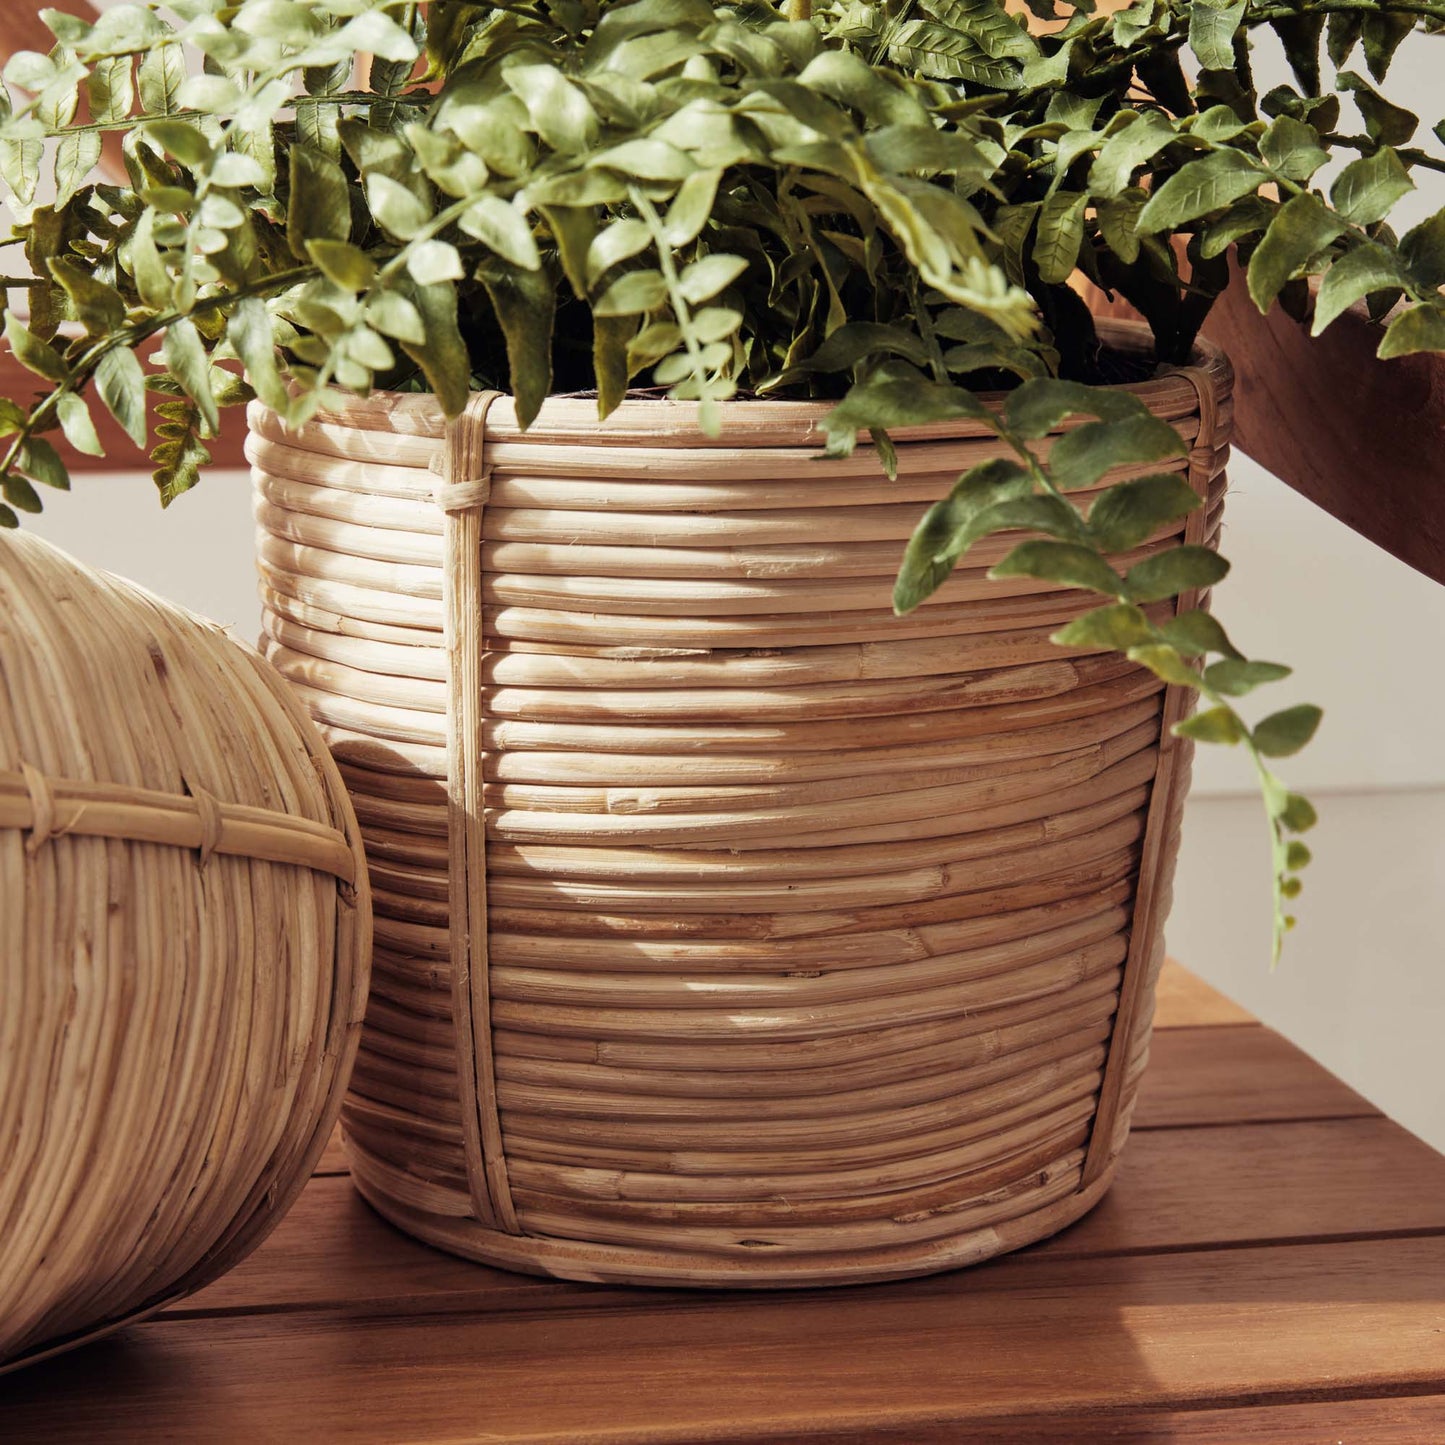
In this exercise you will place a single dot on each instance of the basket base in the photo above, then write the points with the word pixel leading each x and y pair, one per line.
pixel 616 1264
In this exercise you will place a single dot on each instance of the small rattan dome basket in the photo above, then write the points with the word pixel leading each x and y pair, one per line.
pixel 730 930
pixel 184 946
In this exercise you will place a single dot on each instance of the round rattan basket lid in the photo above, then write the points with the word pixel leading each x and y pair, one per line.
pixel 184 947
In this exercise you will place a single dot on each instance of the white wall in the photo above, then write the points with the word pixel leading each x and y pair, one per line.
pixel 1361 985
pixel 197 552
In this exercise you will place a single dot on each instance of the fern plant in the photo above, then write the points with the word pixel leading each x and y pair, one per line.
pixel 880 204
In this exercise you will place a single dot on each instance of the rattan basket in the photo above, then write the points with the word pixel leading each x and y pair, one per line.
pixel 184 938
pixel 730 930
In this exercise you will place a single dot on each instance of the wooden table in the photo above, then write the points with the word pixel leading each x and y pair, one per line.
pixel 1269 1267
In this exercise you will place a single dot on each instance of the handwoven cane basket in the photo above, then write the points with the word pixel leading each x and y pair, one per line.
pixel 184 934
pixel 730 930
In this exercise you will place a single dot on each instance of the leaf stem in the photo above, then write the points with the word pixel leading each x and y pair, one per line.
pixel 924 323
pixel 1345 7
pixel 667 265
pixel 1410 155
pixel 349 97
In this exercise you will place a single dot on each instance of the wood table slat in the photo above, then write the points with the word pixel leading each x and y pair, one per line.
pixel 1269 1266
pixel 1286 1182
pixel 1020 1337
pixel 1237 1074
pixel 1411 1420
pixel 333 1157
pixel 1185 1189
pixel 1183 1000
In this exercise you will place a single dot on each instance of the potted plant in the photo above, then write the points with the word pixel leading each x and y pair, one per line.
pixel 728 928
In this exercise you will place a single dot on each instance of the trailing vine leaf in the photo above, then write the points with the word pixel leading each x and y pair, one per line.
pixel 1034 409
pixel 1082 456
pixel 1301 229
pixel 1197 633
pixel 1367 189
pixel 1167 574
pixel 1234 677
pixel 1212 28
pixel 1199 187
pixel 889 404
pixel 949 528
pixel 1214 725
pixel 120 381
pixel 1118 627
pixel 1068 563
pixel 1165 662
pixel 1422 328
pixel 1359 273
pixel 1131 512
pixel 1282 734
pixel 180 453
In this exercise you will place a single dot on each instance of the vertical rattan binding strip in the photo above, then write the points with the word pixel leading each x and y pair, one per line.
pixel 463 496
pixel 1153 852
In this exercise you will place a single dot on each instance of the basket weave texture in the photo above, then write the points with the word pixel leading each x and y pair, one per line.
pixel 730 930
pixel 184 937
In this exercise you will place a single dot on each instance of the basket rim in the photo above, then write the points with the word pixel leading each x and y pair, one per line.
pixel 747 423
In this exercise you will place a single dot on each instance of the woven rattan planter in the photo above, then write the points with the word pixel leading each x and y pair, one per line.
pixel 804 943
pixel 184 934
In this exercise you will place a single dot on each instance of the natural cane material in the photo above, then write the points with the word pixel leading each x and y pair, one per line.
pixel 730 929
pixel 184 936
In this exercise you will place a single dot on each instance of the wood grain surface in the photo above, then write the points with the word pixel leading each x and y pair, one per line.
pixel 1357 436
pixel 1268 1267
